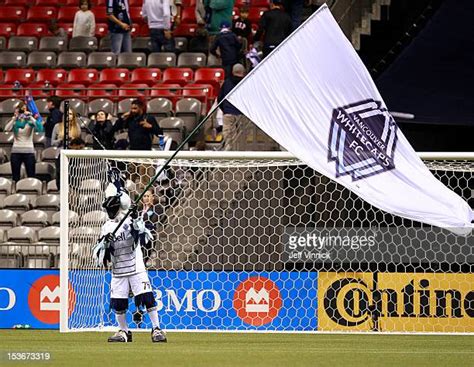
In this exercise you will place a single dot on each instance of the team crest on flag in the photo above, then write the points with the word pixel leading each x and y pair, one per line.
pixel 362 139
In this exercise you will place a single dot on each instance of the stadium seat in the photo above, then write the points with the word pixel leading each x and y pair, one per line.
pixel 213 61
pixel 105 44
pixel 6 187
pixel 70 90
pixel 49 155
pixel 185 30
pixel 167 90
pixel 20 43
pixel 30 186
pixel 94 218
pixel 83 44
pixel 9 91
pixel 189 110
pixel 101 60
pixel 181 44
pixel 144 31
pixel 124 106
pixel 141 44
pixel 34 218
pixel 136 14
pixel 24 76
pixel 235 12
pixel 77 104
pixel 67 13
pixel 192 60
pixel 202 92
pixel 101 30
pixel 3 43
pixel 160 108
pixel 72 60
pixel 19 203
pixel 83 76
pixel 162 60
pixel 68 27
pixel 116 76
pixel 131 60
pixel 103 90
pixel 104 104
pixel 12 13
pixel 174 128
pixel 255 13
pixel 100 14
pixel 33 30
pixel 180 76
pixel 212 76
pixel 7 108
pixel 42 105
pixel 8 219
pixel 188 15
pixel 188 3
pixel 52 76
pixel 55 44
pixel 90 186
pixel 133 90
pixel 261 3
pixel 7 29
pixel 148 76
pixel 84 234
pixel 48 203
pixel 135 31
pixel 42 59
pixel 21 234
pixel 52 188
pixel 50 2
pixel 45 171
pixel 41 14
pixel 39 90
pixel 17 2
pixel 49 234
pixel 138 3
pixel 39 142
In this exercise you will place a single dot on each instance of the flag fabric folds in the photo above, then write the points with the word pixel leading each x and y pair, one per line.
pixel 30 103
pixel 314 96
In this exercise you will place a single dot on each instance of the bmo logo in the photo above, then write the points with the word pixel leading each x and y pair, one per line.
pixel 257 301
pixel 44 299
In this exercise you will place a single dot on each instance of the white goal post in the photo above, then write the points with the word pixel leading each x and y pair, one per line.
pixel 258 241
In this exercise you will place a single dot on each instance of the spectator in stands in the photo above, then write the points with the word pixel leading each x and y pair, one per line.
pixel 102 128
pixel 150 214
pixel 242 26
pixel 56 30
pixel 120 26
pixel 84 21
pixel 275 25
pixel 200 13
pixel 199 43
pixel 295 9
pixel 55 116
pixel 23 125
pixel 232 118
pixel 219 11
pixel 227 47
pixel 158 14
pixel 57 137
pixel 141 126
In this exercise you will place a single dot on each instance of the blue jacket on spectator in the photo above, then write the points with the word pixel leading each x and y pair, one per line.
pixel 228 45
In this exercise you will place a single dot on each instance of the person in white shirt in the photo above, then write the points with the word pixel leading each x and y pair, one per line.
pixel 84 21
pixel 158 14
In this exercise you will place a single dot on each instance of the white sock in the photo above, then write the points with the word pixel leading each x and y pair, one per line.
pixel 154 318
pixel 122 321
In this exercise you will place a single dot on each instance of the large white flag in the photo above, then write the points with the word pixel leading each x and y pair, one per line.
pixel 314 96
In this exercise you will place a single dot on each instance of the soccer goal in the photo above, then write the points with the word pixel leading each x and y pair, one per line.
pixel 258 241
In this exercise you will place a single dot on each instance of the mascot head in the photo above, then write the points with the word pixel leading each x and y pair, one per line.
pixel 116 199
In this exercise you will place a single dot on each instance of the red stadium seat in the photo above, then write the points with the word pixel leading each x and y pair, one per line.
pixel 38 90
pixel 167 90
pixel 103 90
pixel 51 3
pixel 261 3
pixel 67 27
pixel 18 2
pixel 255 13
pixel 188 3
pixel 188 16
pixel 24 76
pixel 7 91
pixel 240 3
pixel 148 76
pixel 53 76
pixel 115 76
pixel 71 90
pixel 101 29
pixel 66 14
pixel 12 14
pixel 83 76
pixel 33 30
pixel 75 3
pixel 144 31
pixel 185 30
pixel 136 14
pixel 212 76
pixel 100 14
pixel 41 14
pixel 203 92
pixel 1 76
pixel 132 90
pixel 7 29
pixel 136 3
pixel 235 13
pixel 135 30
pixel 180 76
pixel 98 2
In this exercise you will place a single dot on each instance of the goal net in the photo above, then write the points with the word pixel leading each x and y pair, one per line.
pixel 259 241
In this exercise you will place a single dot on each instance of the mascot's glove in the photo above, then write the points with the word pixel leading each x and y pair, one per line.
pixel 103 249
pixel 134 211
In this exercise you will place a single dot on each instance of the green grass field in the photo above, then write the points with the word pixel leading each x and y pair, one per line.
pixel 224 349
